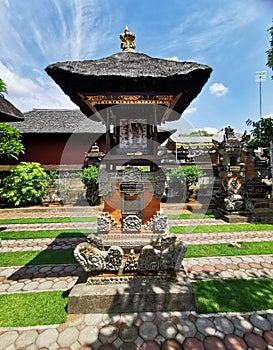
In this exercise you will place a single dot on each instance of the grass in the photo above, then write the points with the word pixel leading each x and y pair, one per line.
pixel 31 309
pixel 221 228
pixel 248 248
pixel 48 220
pixel 45 234
pixel 215 296
pixel 37 258
pixel 194 251
pixel 189 216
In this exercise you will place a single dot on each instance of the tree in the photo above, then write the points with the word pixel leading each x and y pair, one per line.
pixel 270 51
pixel 10 141
pixel 25 185
pixel 198 133
pixel 262 132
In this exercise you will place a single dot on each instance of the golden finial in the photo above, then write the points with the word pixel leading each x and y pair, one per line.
pixel 127 40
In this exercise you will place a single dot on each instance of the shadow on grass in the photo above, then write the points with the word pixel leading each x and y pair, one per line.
pixel 56 261
pixel 215 296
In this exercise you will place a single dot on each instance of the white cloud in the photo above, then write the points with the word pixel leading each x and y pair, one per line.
pixel 218 89
pixel 27 94
pixel 173 58
pixel 190 110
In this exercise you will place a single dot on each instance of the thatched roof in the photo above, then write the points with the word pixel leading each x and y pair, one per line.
pixel 67 121
pixel 126 72
pixel 57 121
pixel 8 112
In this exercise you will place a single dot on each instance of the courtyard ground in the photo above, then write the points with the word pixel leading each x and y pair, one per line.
pixel 146 331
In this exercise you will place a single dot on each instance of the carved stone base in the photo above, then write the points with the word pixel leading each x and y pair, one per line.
pixel 128 294
pixel 234 217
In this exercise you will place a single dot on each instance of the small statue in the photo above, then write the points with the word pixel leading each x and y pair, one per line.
pixel 127 41
pixel 93 258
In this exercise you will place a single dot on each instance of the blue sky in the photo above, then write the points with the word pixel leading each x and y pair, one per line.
pixel 229 35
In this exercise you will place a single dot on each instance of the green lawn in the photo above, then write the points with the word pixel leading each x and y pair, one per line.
pixel 221 228
pixel 45 234
pixel 215 296
pixel 37 258
pixel 191 216
pixel 31 309
pixel 248 248
pixel 194 251
pixel 48 220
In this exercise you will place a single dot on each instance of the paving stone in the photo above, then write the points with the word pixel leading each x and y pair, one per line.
pixel 193 344
pixel 45 285
pixel 128 333
pixel 260 322
pixel 128 346
pixel 233 342
pixel 224 325
pixel 15 287
pixel 47 338
pixel 186 328
pixel 88 335
pixel 110 318
pixel 147 316
pixel 107 347
pixel 7 339
pixel 150 345
pixel 214 343
pixel 148 331
pixel 68 336
pixel 163 316
pixel 269 316
pixel 31 286
pixel 129 319
pixel 268 336
pixel 171 344
pixel 255 341
pixel 167 329
pixel 59 285
pixel 257 331
pixel 242 324
pixel 108 334
pixel 28 337
pixel 180 338
pixel 205 326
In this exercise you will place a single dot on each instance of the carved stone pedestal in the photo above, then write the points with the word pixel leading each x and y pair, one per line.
pixel 132 294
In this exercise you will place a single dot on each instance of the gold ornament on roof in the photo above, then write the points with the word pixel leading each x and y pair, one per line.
pixel 127 41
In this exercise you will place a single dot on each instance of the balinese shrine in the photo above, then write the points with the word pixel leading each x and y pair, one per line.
pixel 133 263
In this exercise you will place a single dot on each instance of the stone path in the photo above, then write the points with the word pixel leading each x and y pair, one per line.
pixel 191 239
pixel 145 331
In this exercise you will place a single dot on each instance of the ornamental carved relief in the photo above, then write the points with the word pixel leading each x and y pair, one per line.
pixel 132 223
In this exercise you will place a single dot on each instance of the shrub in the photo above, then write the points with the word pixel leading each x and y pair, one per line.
pixel 26 185
pixel 89 177
pixel 190 172
pixel 10 141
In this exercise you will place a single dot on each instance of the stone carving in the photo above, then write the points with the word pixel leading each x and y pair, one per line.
pixel 162 256
pixel 131 263
pixel 105 184
pixel 132 223
pixel 167 257
pixel 103 224
pixel 158 223
pixel 159 183
pixel 132 175
pixel 93 258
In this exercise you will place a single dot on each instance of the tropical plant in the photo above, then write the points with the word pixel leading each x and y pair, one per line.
pixel 10 141
pixel 25 185
pixel 270 51
pixel 262 132
pixel 189 172
pixel 89 177
pixel 3 87
pixel 181 181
